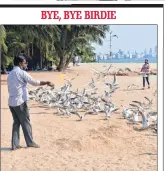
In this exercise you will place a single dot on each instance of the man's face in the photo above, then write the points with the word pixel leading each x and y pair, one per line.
pixel 23 65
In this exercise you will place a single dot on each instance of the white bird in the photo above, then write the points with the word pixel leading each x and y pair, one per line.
pixel 145 122
pixel 153 116
pixel 127 112
pixel 131 86
pixel 107 94
pixel 136 117
pixel 115 80
pixel 109 85
pixel 108 110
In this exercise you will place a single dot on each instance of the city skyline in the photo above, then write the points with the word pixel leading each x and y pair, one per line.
pixel 152 53
pixel 130 38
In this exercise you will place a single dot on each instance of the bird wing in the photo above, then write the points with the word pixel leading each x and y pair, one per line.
pixel 120 70
pixel 133 105
pixel 72 78
pixel 147 99
pixel 137 102
pixel 107 84
pixel 95 70
pixel 76 113
pixel 128 69
pixel 109 68
pixel 114 80
pixel 92 80
pixel 114 110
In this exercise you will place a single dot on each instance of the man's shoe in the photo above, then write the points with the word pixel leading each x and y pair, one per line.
pixel 34 145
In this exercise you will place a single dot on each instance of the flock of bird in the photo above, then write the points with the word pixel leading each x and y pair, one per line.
pixel 89 102
pixel 136 109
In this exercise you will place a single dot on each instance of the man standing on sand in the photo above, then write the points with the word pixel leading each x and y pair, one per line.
pixel 18 95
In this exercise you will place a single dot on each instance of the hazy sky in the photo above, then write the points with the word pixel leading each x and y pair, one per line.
pixel 130 37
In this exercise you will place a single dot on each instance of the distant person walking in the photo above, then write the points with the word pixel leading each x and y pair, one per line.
pixel 17 82
pixel 75 61
pixel 145 72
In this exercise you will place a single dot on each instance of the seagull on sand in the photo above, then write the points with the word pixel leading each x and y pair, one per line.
pixel 145 122
pixel 127 112
pixel 108 110
pixel 153 116
pixel 107 94
pixel 115 80
pixel 131 86
pixel 136 117
pixel 92 83
pixel 109 85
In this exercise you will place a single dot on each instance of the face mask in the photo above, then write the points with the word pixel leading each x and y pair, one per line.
pixel 25 68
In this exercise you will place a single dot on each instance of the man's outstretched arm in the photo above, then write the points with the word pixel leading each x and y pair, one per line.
pixel 29 79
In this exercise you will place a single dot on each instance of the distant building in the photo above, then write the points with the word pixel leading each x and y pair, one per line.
pixel 133 54
pixel 150 51
pixel 156 50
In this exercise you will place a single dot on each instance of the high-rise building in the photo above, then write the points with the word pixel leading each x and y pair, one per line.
pixel 156 50
pixel 150 51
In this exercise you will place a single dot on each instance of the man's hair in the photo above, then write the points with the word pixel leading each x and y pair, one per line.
pixel 18 59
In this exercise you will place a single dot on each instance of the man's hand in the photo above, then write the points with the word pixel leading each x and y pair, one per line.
pixel 50 84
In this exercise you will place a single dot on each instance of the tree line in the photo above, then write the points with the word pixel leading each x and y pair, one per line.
pixel 56 43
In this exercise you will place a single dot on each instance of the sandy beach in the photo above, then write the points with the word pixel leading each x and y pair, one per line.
pixel 95 144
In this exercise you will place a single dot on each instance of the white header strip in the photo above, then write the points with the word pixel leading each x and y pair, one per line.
pixel 123 16
pixel 76 2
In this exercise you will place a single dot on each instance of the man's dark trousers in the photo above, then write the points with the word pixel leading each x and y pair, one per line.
pixel 21 117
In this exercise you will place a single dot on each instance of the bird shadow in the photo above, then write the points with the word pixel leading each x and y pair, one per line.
pixel 147 154
pixel 121 118
pixel 42 113
pixel 116 112
pixel 154 135
pixel 104 119
pixel 140 129
pixel 61 115
pixel 133 123
pixel 9 149
pixel 132 89
pixel 47 109
pixel 78 120
pixel 39 106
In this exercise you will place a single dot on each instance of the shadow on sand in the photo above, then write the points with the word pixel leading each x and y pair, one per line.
pixel 5 149
pixel 147 154
pixel 132 89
